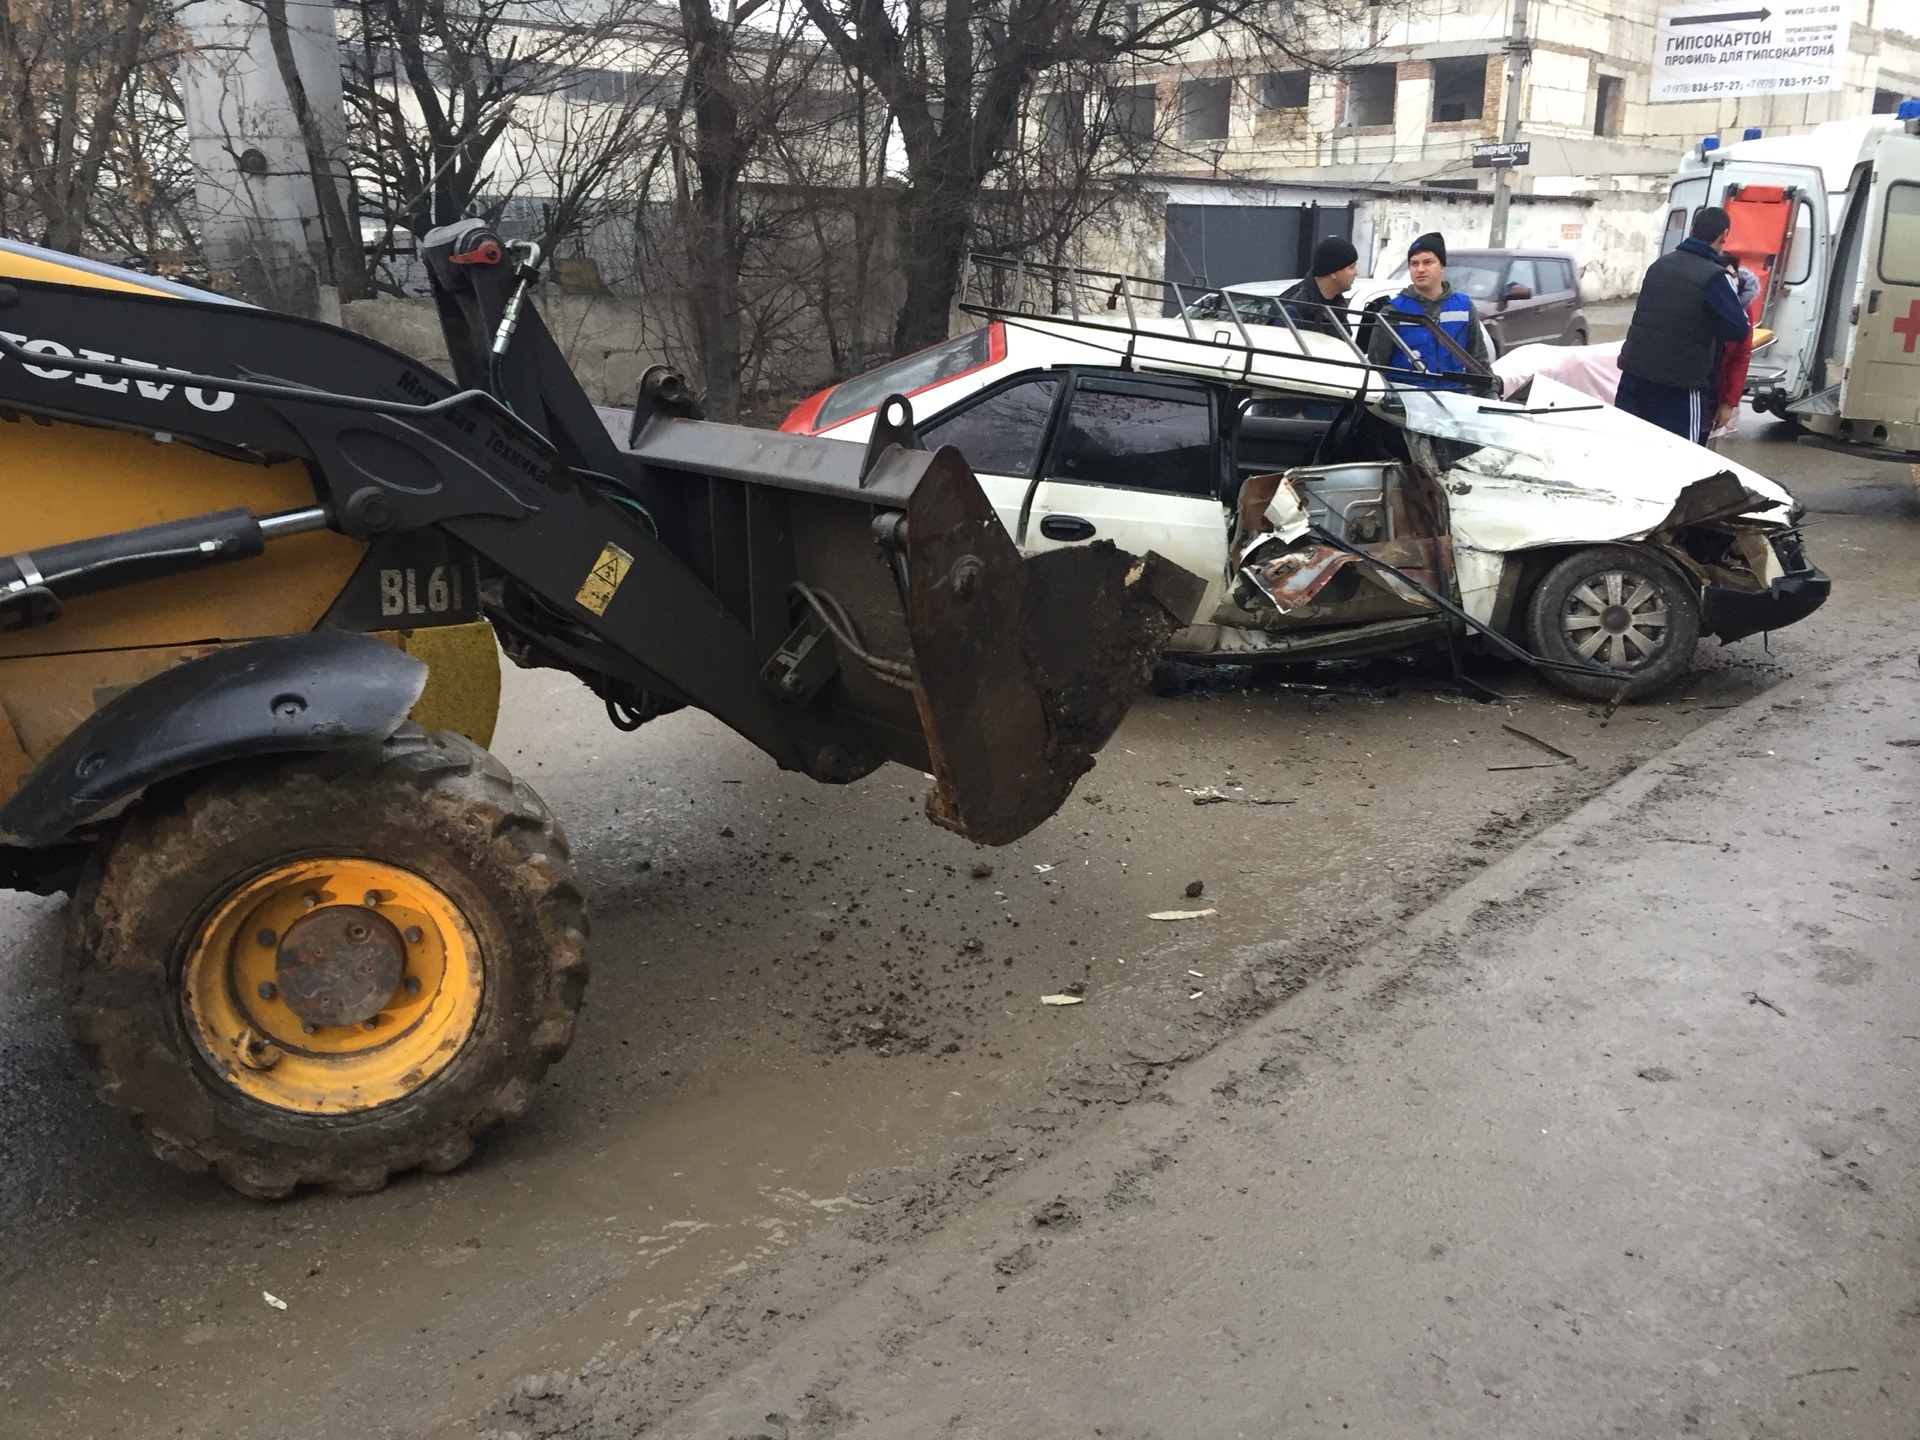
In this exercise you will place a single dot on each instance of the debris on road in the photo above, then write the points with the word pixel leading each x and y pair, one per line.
pixel 1195 889
pixel 1535 739
pixel 1213 796
pixel 1063 1000
pixel 1531 765
pixel 273 1300
pixel 1196 995
pixel 1041 869
pixel 1754 997
pixel 983 871
pixel 1181 914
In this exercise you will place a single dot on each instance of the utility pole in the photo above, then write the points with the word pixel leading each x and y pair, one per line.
pixel 1518 50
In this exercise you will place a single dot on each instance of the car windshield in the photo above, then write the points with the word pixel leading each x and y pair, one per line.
pixel 904 376
pixel 1255 309
pixel 1477 278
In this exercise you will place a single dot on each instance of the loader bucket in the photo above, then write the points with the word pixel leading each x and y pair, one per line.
pixel 1000 675
pixel 1025 667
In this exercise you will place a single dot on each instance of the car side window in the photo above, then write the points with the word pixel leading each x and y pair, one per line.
pixel 1002 433
pixel 1142 437
pixel 1561 274
pixel 1521 272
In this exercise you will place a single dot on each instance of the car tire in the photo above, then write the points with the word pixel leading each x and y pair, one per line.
pixel 1624 607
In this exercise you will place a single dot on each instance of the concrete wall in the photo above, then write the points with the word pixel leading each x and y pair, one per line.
pixel 607 340
pixel 1613 237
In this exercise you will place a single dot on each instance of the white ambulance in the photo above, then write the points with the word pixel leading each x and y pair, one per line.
pixel 1830 222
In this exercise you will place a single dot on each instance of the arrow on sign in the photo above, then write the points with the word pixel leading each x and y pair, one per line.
pixel 1729 18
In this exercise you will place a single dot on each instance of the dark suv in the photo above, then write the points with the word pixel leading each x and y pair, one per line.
pixel 1521 296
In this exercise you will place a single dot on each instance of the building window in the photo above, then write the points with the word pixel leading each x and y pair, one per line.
pixel 1283 90
pixel 1452 184
pixel 1062 120
pixel 1205 106
pixel 1606 105
pixel 1370 95
pixel 1133 117
pixel 1886 102
pixel 1459 89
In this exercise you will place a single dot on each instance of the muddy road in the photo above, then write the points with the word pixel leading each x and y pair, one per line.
pixel 814 1027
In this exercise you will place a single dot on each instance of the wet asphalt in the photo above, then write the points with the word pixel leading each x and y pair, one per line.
pixel 797 989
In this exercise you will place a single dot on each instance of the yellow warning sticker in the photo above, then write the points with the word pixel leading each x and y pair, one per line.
pixel 605 577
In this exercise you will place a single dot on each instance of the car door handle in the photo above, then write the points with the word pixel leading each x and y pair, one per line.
pixel 1066 527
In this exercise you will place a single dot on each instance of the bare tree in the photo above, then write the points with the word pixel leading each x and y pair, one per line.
pixel 461 106
pixel 89 122
pixel 765 120
pixel 344 261
pixel 958 76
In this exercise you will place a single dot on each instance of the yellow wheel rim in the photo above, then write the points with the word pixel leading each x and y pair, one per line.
pixel 333 985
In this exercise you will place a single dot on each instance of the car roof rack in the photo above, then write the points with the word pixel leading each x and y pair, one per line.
pixel 1076 302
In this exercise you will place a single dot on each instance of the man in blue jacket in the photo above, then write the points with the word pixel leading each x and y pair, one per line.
pixel 1429 294
pixel 1686 312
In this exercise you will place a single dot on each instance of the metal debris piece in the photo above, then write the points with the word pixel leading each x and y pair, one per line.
pixel 273 1300
pixel 1535 739
pixel 1290 575
pixel 1196 995
pixel 1181 914
pixel 1063 1000
pixel 1531 765
pixel 1754 997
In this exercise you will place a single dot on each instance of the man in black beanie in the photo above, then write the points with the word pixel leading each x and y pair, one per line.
pixel 1421 314
pixel 1315 303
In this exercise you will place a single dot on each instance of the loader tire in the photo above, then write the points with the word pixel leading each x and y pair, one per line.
pixel 1622 607
pixel 331 969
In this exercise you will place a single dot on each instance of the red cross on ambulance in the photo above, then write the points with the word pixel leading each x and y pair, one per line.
pixel 1909 326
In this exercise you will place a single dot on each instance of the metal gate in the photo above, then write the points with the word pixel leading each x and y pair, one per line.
pixel 1216 245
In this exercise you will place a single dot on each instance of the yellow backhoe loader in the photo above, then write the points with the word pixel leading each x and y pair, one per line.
pixel 253 570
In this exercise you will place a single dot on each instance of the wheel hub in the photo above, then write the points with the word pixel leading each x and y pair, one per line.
pixel 1616 619
pixel 339 965
pixel 332 985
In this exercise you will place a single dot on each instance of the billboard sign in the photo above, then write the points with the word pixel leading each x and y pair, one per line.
pixel 1710 51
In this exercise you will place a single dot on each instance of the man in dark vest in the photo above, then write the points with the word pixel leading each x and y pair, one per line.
pixel 1316 301
pixel 1687 310
pixel 1429 294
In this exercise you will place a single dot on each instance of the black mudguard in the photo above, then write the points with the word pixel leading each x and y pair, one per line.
pixel 325 690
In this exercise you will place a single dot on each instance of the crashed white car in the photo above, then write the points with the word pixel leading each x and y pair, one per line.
pixel 1335 513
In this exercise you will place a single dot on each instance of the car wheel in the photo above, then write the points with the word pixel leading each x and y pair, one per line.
pixel 1579 337
pixel 1620 607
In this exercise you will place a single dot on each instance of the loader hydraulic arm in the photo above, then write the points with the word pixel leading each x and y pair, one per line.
pixel 838 608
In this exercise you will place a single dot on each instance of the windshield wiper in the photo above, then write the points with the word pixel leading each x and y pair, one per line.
pixel 1541 410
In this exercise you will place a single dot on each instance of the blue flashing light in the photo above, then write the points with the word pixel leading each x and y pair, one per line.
pixel 1909 110
pixel 1709 142
pixel 1752 132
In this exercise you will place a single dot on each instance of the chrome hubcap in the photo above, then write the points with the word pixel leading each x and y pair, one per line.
pixel 1616 619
